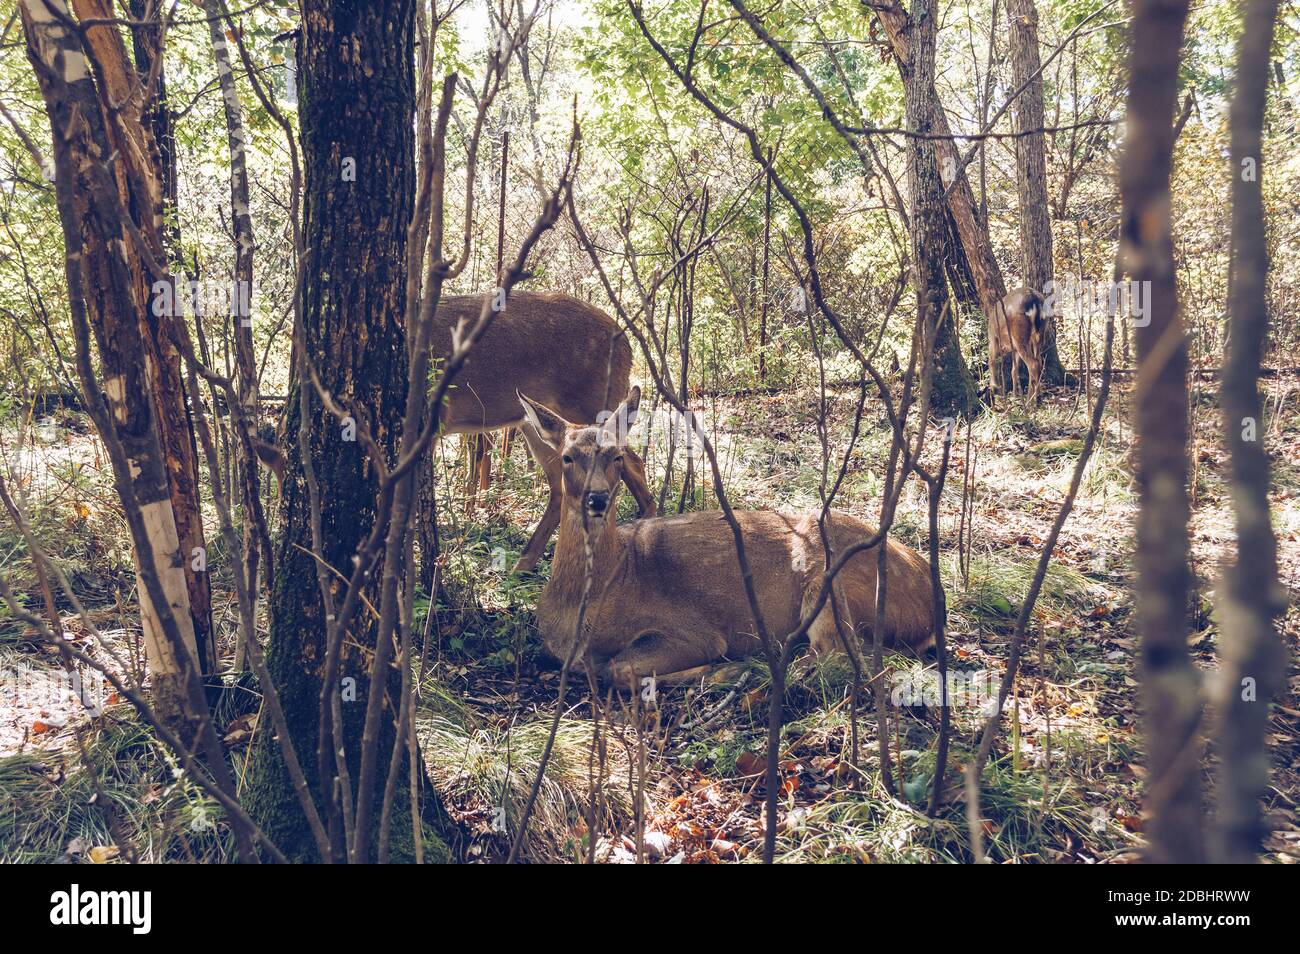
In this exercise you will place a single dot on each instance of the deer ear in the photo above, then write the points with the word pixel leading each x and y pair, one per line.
pixel 618 424
pixel 549 425
pixel 632 404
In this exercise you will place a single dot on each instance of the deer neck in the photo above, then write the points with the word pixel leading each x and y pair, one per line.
pixel 569 568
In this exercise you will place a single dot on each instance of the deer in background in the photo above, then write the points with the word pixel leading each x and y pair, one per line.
pixel 1018 327
pixel 569 353
pixel 666 595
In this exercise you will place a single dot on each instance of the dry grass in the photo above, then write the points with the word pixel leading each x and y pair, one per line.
pixel 485 773
pixel 1065 780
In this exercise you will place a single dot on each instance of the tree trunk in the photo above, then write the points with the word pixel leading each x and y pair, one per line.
pixel 1254 660
pixel 970 226
pixel 951 389
pixel 1170 683
pixel 109 269
pixel 1031 168
pixel 357 114
pixel 145 45
pixel 144 175
pixel 245 416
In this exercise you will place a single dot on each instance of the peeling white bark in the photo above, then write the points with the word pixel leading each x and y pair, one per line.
pixel 160 527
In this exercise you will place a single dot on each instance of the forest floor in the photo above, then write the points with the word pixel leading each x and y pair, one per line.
pixel 1063 785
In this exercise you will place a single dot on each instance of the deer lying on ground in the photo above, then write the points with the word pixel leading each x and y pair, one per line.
pixel 1018 329
pixel 666 594
pixel 570 354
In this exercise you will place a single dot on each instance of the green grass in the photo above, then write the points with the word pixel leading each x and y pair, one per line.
pixel 1106 478
pixel 484 763
pixel 51 803
pixel 998 585
pixel 488 770
pixel 869 825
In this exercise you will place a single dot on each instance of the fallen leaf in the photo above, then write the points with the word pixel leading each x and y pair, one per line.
pixel 747 763
pixel 657 843
pixel 103 854
pixel 727 849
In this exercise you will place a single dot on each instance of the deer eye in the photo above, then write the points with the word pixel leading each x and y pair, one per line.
pixel 567 459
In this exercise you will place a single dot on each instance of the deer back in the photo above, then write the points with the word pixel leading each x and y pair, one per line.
pixel 679 575
pixel 564 352
pixel 1025 321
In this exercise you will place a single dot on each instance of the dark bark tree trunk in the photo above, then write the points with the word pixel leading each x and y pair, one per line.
pixel 1254 660
pixel 961 200
pixel 145 44
pixel 1031 168
pixel 951 389
pixel 357 113
pixel 1170 683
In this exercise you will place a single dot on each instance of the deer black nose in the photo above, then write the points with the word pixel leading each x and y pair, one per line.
pixel 597 501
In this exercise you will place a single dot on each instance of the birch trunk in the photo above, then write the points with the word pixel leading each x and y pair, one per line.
pixel 245 416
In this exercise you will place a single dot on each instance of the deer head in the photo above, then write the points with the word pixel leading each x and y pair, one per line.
pixel 592 457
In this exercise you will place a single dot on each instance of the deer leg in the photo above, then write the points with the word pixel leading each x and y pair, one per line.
pixel 474 442
pixel 485 462
pixel 1001 383
pixel 993 375
pixel 550 466
pixel 823 635
pixel 658 654
pixel 635 478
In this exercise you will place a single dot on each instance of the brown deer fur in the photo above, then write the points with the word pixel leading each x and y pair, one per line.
pixel 1018 329
pixel 570 354
pixel 271 456
pixel 543 343
pixel 666 593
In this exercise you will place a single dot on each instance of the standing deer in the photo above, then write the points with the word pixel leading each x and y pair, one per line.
pixel 569 353
pixel 1018 328
pixel 666 595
